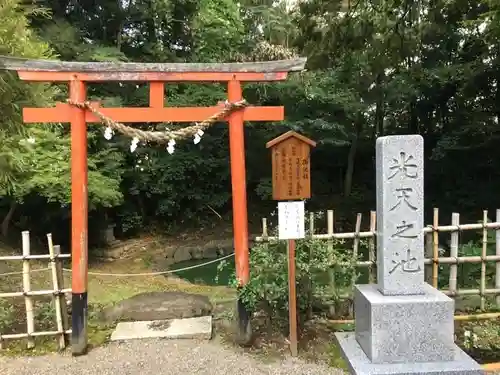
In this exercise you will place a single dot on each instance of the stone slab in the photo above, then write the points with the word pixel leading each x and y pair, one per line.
pixel 359 363
pixel 189 328
pixel 400 214
pixel 393 329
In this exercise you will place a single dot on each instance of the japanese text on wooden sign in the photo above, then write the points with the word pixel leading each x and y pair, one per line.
pixel 291 166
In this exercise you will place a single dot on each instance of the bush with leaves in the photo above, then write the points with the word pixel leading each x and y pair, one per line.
pixel 315 261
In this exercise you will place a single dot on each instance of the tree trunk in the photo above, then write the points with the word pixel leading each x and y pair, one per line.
pixel 350 164
pixel 8 218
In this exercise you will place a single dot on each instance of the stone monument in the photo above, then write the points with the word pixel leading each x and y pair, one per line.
pixel 403 325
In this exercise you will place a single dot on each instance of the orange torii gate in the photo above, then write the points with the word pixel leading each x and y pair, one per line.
pixel 78 74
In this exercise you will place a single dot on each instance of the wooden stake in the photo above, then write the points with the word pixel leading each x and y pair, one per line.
pixel 484 252
pixel 331 272
pixel 497 252
pixel 62 295
pixel 428 255
pixel 28 300
pixel 57 293
pixel 455 220
pixel 371 248
pixel 264 228
pixel 435 252
pixel 310 281
pixel 292 298
pixel 355 247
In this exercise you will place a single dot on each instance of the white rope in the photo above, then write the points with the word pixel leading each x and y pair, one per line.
pixel 129 274
pixel 22 273
pixel 156 273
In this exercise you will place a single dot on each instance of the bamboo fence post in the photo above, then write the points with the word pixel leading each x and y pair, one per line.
pixel 497 252
pixel 435 248
pixel 57 292
pixel 428 255
pixel 331 271
pixel 455 220
pixel 310 282
pixel 59 305
pixel 371 247
pixel 355 247
pixel 484 252
pixel 264 228
pixel 62 297
pixel 330 230
pixel 28 300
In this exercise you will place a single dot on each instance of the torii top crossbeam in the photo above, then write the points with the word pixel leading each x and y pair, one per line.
pixel 53 70
pixel 77 74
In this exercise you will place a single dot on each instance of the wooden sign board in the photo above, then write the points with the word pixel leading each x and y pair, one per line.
pixel 291 166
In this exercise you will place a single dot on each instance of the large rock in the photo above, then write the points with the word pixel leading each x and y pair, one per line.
pixel 159 306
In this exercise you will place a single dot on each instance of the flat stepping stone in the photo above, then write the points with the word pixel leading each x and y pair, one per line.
pixel 189 328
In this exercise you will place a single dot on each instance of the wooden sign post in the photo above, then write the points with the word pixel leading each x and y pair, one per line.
pixel 291 185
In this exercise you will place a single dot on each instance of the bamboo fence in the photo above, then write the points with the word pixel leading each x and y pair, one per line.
pixel 58 293
pixel 432 256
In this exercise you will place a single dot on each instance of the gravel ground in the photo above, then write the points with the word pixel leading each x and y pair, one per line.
pixel 159 357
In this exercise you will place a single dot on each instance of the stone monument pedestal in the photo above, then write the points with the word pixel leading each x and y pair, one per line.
pixel 407 334
pixel 403 325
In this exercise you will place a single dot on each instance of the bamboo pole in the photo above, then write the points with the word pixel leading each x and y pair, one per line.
pixel 33 293
pixel 265 234
pixel 62 296
pixel 57 293
pixel 28 301
pixel 31 257
pixel 351 235
pixel 472 317
pixel 311 224
pixel 331 272
pixel 355 247
pixel 14 336
pixel 484 252
pixel 455 220
pixel 497 252
pixel 310 282
pixel 435 247
pixel 371 248
pixel 460 292
pixel 428 255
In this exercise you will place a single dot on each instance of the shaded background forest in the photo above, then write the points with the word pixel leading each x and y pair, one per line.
pixel 374 68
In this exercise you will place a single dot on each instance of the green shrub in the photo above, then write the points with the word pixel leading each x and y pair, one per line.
pixel 316 262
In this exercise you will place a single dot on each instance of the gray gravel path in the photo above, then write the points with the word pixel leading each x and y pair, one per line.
pixel 160 357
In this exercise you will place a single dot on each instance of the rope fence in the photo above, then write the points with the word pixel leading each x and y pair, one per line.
pixel 57 293
pixel 159 273
pixel 433 255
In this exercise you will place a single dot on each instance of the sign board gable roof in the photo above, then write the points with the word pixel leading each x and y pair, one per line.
pixel 287 135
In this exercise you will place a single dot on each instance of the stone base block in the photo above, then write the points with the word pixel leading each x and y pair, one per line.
pixel 416 328
pixel 190 328
pixel 360 364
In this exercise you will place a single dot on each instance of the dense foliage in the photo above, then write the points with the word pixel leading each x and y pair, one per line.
pixel 325 273
pixel 375 68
